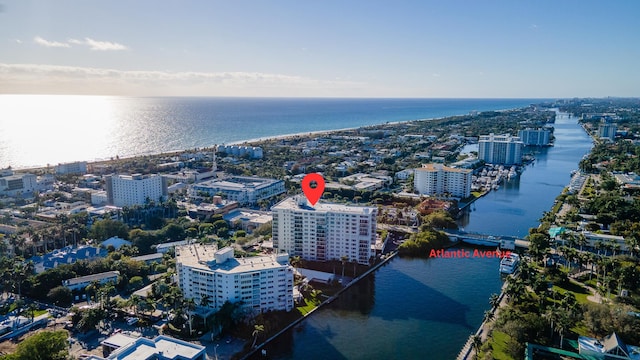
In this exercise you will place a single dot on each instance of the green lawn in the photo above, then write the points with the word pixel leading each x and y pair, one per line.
pixel 499 344
pixel 39 312
pixel 580 292
pixel 305 309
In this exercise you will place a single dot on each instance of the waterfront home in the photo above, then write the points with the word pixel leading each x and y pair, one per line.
pixel 611 347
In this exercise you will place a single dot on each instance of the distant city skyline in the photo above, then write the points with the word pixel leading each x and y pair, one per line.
pixel 437 49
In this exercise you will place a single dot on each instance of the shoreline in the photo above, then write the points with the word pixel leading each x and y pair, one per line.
pixel 253 142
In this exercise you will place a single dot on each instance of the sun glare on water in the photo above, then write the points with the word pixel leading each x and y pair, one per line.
pixel 38 124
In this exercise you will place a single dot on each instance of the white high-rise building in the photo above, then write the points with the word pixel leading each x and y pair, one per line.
pixel 607 130
pixel 325 231
pixel 261 283
pixel 437 179
pixel 78 167
pixel 500 149
pixel 535 137
pixel 136 189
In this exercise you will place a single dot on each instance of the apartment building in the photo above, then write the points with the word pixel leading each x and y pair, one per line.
pixel 261 283
pixel 136 189
pixel 325 231
pixel 535 137
pixel 500 149
pixel 438 179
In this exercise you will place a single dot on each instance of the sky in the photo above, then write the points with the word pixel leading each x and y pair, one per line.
pixel 421 49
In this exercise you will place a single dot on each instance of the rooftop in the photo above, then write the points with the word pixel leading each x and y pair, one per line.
pixel 90 278
pixel 206 257
pixel 301 203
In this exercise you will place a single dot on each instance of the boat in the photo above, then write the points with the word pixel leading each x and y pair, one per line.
pixel 509 264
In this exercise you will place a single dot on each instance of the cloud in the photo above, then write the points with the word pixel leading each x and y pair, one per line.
pixel 46 43
pixel 18 41
pixel 91 43
pixel 24 77
pixel 98 45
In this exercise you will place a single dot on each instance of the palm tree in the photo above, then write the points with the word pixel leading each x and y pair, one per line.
pixel 494 300
pixel 632 243
pixel 488 315
pixel 476 343
pixel 31 310
pixel 190 305
pixel 257 329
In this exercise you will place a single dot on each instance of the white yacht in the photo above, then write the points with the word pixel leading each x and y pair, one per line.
pixel 509 264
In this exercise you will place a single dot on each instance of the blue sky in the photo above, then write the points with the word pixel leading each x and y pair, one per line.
pixel 321 48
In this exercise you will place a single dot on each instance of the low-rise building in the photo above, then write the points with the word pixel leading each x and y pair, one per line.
pixel 19 184
pixel 248 220
pixel 66 255
pixel 246 190
pixel 611 347
pixel 78 167
pixel 162 347
pixel 79 283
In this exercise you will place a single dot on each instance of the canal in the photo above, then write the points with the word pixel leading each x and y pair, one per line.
pixel 427 308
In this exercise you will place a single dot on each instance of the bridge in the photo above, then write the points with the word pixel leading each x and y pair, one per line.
pixel 474 238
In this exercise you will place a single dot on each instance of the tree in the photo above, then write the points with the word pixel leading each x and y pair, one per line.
pixel 107 228
pixel 494 300
pixel 476 342
pixel 538 245
pixel 440 219
pixel 60 296
pixel 344 260
pixel 257 330
pixel 44 345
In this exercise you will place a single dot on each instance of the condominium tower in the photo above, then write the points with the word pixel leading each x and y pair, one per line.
pixel 211 277
pixel 437 179
pixel 535 137
pixel 325 231
pixel 500 149
pixel 136 189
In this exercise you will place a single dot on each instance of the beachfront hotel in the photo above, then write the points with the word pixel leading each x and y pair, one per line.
pixel 438 179
pixel 136 189
pixel 325 231
pixel 261 283
pixel 500 149
pixel 246 190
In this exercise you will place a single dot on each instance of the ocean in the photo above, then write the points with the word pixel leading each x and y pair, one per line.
pixel 37 130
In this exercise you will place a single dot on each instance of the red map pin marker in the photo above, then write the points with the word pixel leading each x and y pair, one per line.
pixel 313 194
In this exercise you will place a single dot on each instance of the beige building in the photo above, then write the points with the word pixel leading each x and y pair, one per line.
pixel 438 179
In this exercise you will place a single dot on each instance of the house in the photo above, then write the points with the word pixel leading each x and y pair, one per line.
pixel 611 347
pixel 79 283
pixel 66 255
pixel 116 242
